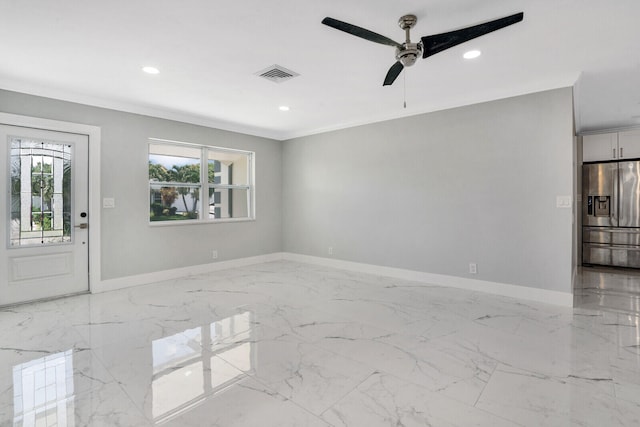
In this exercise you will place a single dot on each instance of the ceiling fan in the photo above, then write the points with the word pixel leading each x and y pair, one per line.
pixel 407 52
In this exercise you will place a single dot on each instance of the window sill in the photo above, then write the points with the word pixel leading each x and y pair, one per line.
pixel 197 222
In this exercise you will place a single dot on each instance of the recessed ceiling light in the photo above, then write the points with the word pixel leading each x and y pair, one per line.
pixel 150 70
pixel 471 54
pixel 284 108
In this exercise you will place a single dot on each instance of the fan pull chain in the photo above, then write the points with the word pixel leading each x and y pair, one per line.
pixel 404 79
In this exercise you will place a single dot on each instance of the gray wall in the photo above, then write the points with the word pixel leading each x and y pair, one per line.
pixel 429 193
pixel 129 245
pixel 437 191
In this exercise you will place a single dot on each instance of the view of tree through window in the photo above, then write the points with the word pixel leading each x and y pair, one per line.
pixel 176 182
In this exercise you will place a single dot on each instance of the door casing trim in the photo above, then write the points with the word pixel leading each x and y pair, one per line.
pixel 94 135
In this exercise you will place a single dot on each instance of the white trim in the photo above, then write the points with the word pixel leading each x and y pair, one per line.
pixel 160 276
pixel 196 145
pixel 94 135
pixel 30 88
pixel 186 222
pixel 563 299
pixel 47 91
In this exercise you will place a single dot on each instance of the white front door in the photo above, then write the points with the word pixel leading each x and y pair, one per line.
pixel 44 239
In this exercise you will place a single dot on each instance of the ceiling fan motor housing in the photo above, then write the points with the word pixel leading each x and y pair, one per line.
pixel 408 53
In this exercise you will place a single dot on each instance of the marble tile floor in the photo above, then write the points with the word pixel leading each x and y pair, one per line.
pixel 606 288
pixel 290 344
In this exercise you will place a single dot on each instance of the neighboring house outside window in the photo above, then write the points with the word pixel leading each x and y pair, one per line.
pixel 181 173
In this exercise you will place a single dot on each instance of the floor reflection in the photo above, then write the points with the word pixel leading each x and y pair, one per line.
pixel 190 366
pixel 43 392
pixel 608 289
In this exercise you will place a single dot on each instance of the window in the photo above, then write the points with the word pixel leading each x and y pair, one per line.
pixel 180 173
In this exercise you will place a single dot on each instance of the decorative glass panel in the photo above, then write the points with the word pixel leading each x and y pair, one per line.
pixel 40 193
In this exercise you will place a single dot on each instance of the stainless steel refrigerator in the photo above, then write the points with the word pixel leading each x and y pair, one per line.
pixel 611 213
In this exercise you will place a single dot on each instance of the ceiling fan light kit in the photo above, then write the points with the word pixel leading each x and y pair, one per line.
pixel 407 53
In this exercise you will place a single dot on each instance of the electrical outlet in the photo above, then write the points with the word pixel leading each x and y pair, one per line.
pixel 330 250
pixel 214 254
pixel 473 268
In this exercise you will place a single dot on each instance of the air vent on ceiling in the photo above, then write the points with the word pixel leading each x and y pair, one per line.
pixel 277 74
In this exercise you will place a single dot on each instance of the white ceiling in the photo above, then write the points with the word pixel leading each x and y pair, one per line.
pixel 207 51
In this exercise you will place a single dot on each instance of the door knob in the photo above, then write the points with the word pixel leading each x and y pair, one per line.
pixel 82 226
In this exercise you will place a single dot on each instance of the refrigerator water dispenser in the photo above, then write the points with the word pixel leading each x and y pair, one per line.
pixel 599 205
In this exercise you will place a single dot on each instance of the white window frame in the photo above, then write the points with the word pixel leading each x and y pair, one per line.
pixel 204 184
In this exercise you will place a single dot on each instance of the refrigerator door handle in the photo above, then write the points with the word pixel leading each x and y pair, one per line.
pixel 614 153
pixel 616 194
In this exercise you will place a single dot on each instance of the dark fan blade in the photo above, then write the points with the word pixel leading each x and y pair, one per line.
pixel 439 42
pixel 393 73
pixel 359 32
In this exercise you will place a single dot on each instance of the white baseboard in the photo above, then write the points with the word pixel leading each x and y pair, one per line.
pixel 159 276
pixel 563 299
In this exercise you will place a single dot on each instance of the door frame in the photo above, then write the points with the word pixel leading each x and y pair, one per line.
pixel 93 133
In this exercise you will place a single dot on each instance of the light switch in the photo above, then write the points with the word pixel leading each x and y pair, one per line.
pixel 563 201
pixel 108 203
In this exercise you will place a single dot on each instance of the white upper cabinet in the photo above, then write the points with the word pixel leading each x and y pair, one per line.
pixel 611 146
pixel 629 144
pixel 598 147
